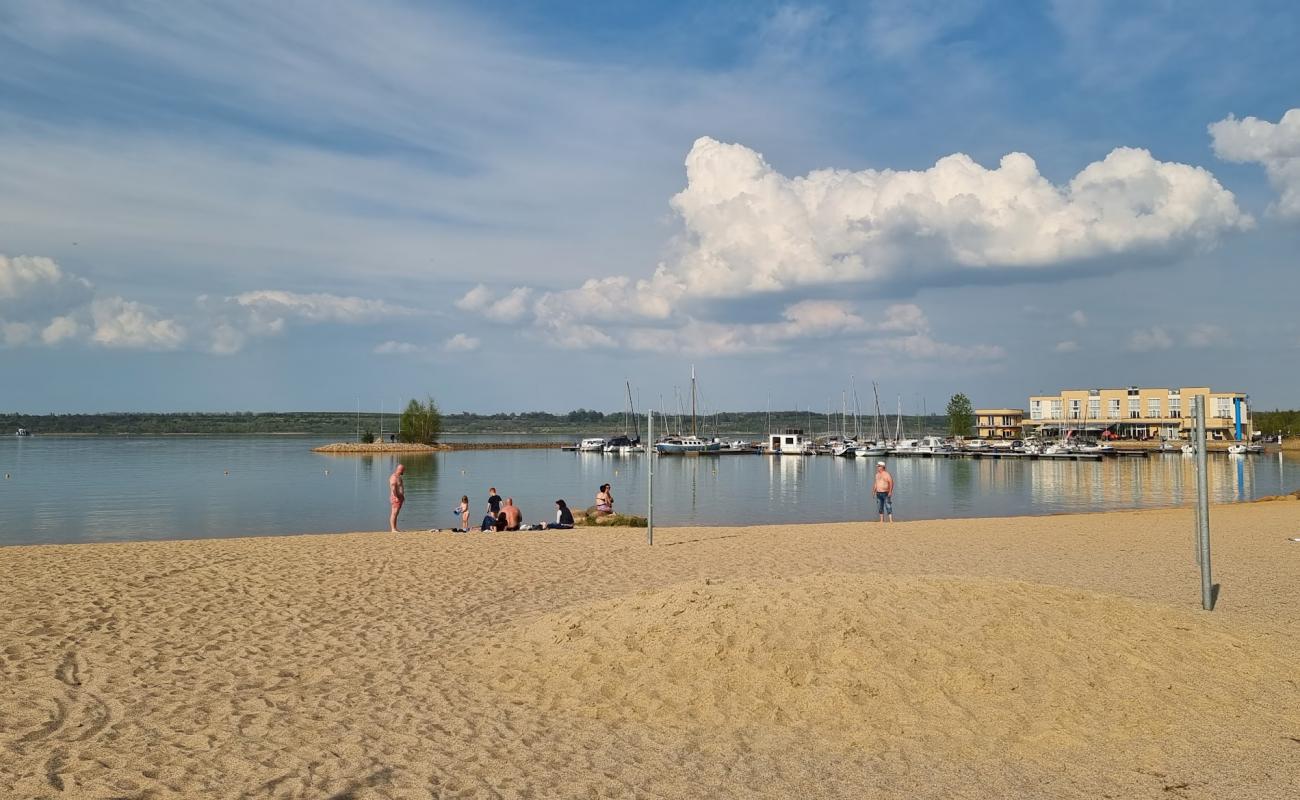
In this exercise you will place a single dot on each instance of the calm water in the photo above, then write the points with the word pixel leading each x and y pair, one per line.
pixel 74 489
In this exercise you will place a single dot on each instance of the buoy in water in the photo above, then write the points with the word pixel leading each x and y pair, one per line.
pixel 227 472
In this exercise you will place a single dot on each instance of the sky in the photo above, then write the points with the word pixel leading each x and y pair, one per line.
pixel 519 206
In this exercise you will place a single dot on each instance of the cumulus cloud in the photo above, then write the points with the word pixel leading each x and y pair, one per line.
pixel 750 229
pixel 232 322
pixel 510 307
pixel 1145 340
pixel 61 329
pixel 125 323
pixel 42 304
pixel 461 343
pixel 1274 145
pixel 1068 346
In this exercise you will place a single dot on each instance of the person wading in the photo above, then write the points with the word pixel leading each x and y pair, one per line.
pixel 396 495
pixel 884 487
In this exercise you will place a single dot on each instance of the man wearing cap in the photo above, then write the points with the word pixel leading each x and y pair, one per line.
pixel 884 487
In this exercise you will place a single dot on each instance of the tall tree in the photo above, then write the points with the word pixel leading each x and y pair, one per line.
pixel 961 415
pixel 421 422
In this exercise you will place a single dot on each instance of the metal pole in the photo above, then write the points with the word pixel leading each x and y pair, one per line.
pixel 1197 433
pixel 1203 506
pixel 650 479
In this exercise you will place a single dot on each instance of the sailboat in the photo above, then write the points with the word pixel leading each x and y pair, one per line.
pixel 627 444
pixel 877 446
pixel 692 443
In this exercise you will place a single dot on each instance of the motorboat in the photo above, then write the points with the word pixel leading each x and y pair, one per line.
pixel 1236 449
pixel 872 450
pixel 595 444
pixel 1188 449
pixel 904 446
pixel 22 432
pixel 932 444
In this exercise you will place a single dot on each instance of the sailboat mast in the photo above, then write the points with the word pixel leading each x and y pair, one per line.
pixel 694 432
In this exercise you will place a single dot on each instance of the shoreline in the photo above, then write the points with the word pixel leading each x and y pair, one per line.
pixel 1061 656
pixel 1280 499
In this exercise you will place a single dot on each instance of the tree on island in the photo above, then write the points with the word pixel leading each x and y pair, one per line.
pixel 961 415
pixel 421 422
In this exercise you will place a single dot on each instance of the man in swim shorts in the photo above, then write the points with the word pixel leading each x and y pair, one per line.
pixel 396 495
pixel 884 488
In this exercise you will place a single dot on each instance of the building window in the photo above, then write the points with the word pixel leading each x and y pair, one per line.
pixel 1035 409
pixel 1094 408
pixel 1056 409
pixel 1223 407
pixel 1113 410
pixel 1153 408
pixel 1134 406
pixel 1074 409
pixel 1175 405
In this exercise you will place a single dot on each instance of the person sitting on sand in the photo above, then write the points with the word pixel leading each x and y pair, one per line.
pixel 604 500
pixel 489 522
pixel 563 517
pixel 463 511
pixel 513 516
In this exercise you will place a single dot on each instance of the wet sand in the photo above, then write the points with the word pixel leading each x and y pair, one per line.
pixel 1029 657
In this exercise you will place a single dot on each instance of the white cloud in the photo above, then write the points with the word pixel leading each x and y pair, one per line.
pixel 751 229
pixel 1206 335
pixel 899 330
pixel 319 307
pixel 1146 340
pixel 1274 145
pixel 125 323
pixel 18 275
pixel 461 343
pixel 61 329
pixel 395 348
pixel 1068 346
pixel 1079 318
pixel 482 301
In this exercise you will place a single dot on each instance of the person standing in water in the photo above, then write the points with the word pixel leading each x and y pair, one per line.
pixel 884 487
pixel 396 495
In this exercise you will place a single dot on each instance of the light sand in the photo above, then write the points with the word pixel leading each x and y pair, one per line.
pixel 1032 657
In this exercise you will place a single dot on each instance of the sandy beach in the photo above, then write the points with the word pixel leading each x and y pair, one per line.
pixel 1035 657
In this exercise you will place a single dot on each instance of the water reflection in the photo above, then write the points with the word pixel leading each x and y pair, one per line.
pixel 80 489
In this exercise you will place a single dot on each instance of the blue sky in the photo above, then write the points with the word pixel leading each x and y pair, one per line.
pixel 514 206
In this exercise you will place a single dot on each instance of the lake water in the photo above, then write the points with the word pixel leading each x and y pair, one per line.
pixel 83 489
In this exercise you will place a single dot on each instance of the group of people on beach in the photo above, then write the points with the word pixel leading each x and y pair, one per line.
pixel 504 515
pixel 501 513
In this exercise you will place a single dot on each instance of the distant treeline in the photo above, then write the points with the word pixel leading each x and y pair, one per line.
pixel 345 424
pixel 1271 422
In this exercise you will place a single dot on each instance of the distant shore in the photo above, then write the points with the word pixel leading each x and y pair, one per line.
pixel 362 448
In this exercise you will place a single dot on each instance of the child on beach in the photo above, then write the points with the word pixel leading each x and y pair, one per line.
pixel 604 500
pixel 463 511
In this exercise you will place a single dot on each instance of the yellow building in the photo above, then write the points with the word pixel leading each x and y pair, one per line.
pixel 1138 413
pixel 998 423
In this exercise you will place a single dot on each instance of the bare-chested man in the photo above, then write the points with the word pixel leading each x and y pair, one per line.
pixel 396 495
pixel 514 517
pixel 884 487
